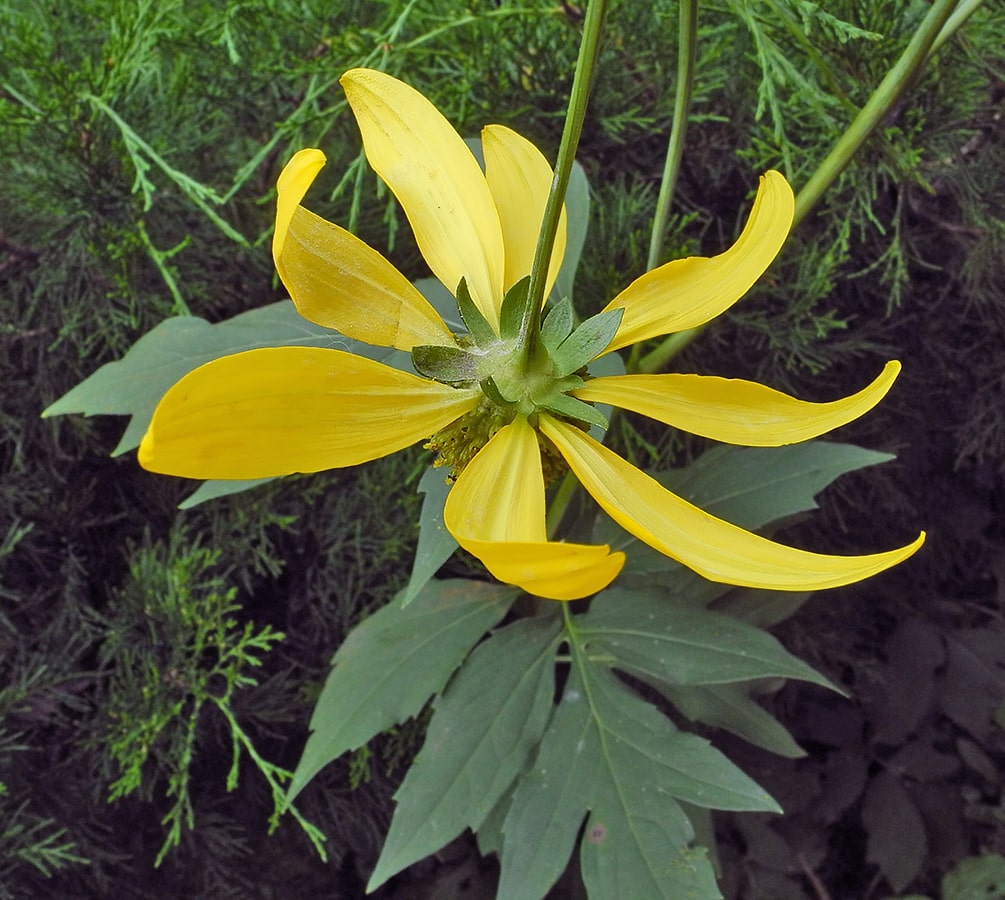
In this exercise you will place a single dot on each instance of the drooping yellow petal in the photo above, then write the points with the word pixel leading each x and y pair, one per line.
pixel 496 511
pixel 292 409
pixel 519 178
pixel 338 281
pixel 437 181
pixel 731 410
pixel 688 292
pixel 713 548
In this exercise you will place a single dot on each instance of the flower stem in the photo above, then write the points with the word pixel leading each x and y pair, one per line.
pixel 687 51
pixel 585 66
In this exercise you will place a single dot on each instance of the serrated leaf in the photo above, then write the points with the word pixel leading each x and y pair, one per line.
pixel 636 840
pixel 489 835
pixel 213 490
pixel 761 608
pixel 133 385
pixel 648 637
pixel 608 751
pixel 557 325
pixel 393 662
pixel 611 868
pixel 728 706
pixel 635 734
pixel 755 486
pixel 586 342
pixel 550 802
pixel 483 732
pixel 435 544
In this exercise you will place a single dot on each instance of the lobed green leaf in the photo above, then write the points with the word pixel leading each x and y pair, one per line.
pixel 436 544
pixel 133 385
pixel 609 752
pixel 483 733
pixel 644 635
pixel 728 706
pixel 393 662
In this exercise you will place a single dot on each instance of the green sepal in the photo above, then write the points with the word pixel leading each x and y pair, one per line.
pixel 571 408
pixel 478 326
pixel 589 340
pixel 484 732
pixel 557 325
pixel 491 390
pixel 512 313
pixel 449 365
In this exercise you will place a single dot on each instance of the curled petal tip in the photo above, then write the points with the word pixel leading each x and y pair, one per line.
pixel 297 176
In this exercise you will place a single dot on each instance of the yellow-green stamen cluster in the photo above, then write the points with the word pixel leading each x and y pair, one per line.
pixel 457 444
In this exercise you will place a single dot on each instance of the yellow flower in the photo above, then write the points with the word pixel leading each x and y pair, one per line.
pixel 293 409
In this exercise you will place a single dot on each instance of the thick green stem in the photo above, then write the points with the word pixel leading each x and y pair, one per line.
pixel 883 99
pixel 937 26
pixel 963 12
pixel 585 66
pixel 687 52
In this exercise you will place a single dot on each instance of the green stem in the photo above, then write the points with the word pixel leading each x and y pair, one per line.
pixel 560 503
pixel 942 20
pixel 963 12
pixel 883 99
pixel 585 66
pixel 687 51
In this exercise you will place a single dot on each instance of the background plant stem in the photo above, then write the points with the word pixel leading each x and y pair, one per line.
pixel 687 51
pixel 903 74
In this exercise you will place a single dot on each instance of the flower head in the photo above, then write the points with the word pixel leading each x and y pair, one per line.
pixel 501 406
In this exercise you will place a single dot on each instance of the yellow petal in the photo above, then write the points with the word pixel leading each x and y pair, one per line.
pixel 292 409
pixel 496 512
pixel 688 292
pixel 731 410
pixel 338 281
pixel 553 570
pixel 713 548
pixel 437 181
pixel 519 178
